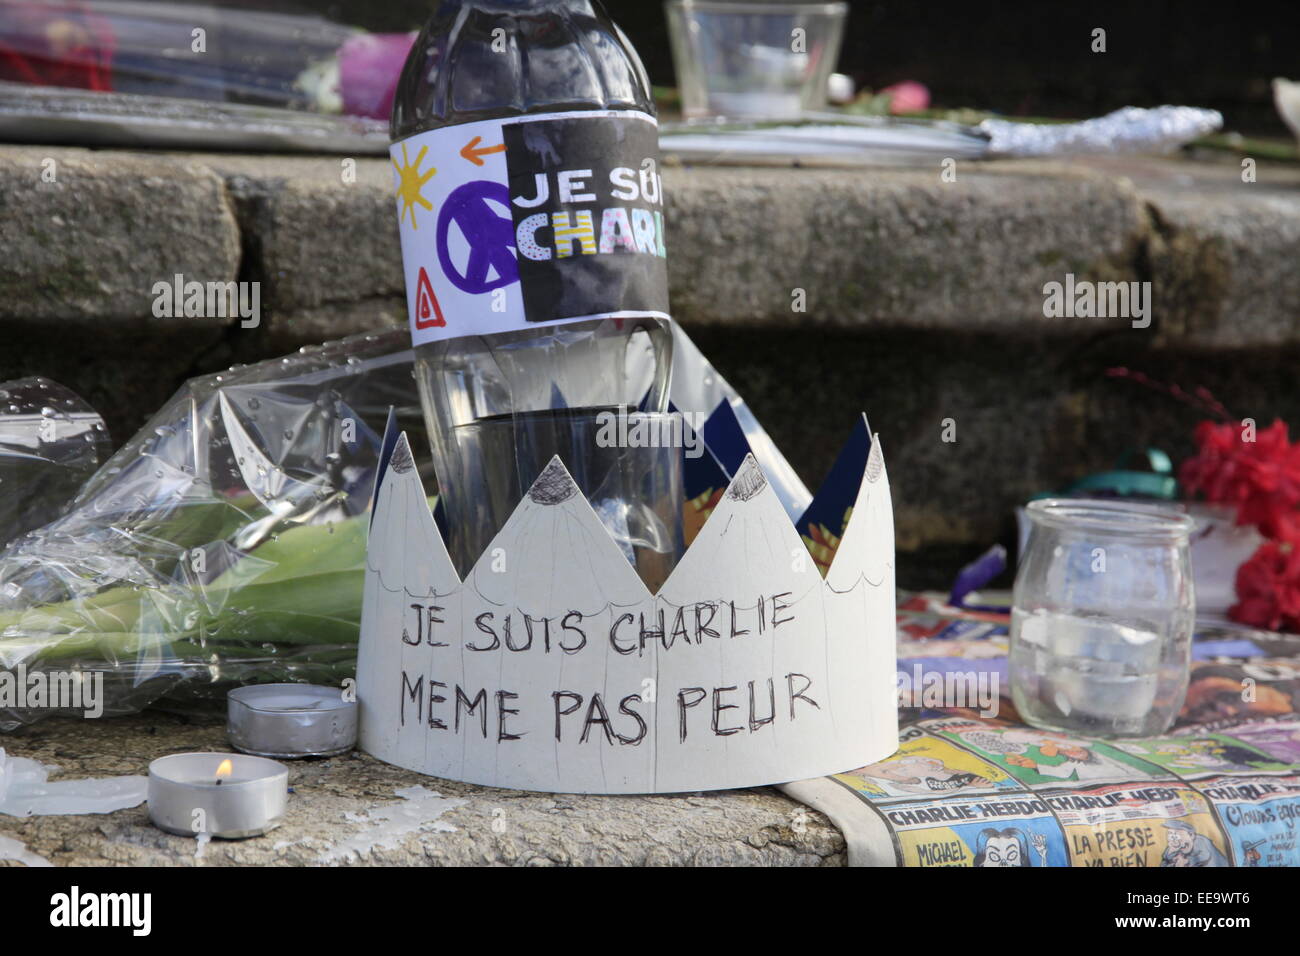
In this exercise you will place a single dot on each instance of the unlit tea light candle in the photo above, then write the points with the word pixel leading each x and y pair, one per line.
pixel 290 720
pixel 229 796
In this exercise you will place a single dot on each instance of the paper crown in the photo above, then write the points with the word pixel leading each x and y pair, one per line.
pixel 557 670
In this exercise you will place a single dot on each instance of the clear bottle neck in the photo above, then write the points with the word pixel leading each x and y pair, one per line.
pixel 488 60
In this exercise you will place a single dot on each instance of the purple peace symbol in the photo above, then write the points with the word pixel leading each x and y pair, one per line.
pixel 491 237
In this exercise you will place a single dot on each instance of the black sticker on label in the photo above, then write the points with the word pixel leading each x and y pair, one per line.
pixel 587 206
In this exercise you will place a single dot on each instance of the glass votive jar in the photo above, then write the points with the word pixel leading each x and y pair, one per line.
pixel 1101 627
pixel 754 59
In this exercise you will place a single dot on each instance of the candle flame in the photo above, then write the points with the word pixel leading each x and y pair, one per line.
pixel 225 770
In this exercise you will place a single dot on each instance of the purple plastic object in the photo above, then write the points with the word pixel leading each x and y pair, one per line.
pixel 976 575
pixel 369 67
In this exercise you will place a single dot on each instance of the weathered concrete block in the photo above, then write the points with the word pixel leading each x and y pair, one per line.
pixel 892 247
pixel 1227 267
pixel 316 230
pixel 878 246
pixel 924 300
pixel 91 243
pixel 1028 414
pixel 1222 248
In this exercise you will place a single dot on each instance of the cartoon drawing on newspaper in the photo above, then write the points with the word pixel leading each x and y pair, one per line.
pixel 1041 757
pixel 926 765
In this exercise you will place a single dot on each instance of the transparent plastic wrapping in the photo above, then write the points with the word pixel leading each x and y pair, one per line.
pixel 225 543
pixel 201 52
pixel 51 441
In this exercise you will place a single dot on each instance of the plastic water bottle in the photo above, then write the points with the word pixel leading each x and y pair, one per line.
pixel 531 216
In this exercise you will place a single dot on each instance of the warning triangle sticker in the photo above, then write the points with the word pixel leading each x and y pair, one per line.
pixel 428 314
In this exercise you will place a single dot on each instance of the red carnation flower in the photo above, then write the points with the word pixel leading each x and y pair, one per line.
pixel 1258 473
pixel 1268 589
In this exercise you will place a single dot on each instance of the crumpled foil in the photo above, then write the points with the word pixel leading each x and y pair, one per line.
pixel 1128 130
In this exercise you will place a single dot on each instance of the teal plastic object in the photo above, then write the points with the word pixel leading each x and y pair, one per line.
pixel 1126 482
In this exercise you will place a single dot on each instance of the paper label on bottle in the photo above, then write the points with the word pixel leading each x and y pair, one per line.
pixel 541 219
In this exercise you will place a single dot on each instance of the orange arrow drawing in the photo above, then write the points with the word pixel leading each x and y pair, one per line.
pixel 472 154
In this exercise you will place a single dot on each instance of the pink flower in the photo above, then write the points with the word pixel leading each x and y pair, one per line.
pixel 908 96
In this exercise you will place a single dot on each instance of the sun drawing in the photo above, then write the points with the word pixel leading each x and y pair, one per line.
pixel 412 181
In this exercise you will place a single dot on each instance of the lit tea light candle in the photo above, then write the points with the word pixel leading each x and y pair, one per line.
pixel 229 796
pixel 287 721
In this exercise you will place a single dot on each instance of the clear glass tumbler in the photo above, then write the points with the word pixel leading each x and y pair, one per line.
pixel 754 60
pixel 1102 621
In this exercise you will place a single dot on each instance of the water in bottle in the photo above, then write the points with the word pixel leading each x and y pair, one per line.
pixel 531 215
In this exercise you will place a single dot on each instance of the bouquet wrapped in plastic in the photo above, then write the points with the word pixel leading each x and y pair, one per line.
pixel 223 543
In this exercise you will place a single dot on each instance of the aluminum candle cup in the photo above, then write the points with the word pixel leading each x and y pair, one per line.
pixel 287 721
pixel 229 796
